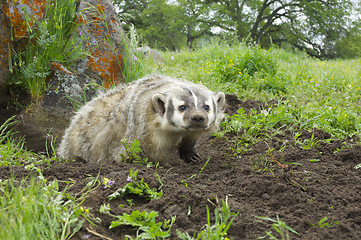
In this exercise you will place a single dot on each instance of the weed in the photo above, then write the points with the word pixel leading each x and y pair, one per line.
pixel 242 70
pixel 107 182
pixel 133 151
pixel 254 126
pixel 194 175
pixel 281 228
pixel 310 143
pixel 133 66
pixel 50 147
pixel 358 166
pixel 325 222
pixel 144 222
pixel 217 231
pixel 136 187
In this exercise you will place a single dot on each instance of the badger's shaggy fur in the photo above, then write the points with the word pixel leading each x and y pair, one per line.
pixel 163 113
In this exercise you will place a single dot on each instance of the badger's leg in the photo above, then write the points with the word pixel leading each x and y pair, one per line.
pixel 187 151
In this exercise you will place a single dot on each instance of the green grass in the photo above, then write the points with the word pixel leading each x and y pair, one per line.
pixel 32 207
pixel 223 218
pixel 282 230
pixel 316 94
pixel 35 209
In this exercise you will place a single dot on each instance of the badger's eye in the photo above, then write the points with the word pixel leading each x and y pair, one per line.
pixel 182 108
pixel 206 107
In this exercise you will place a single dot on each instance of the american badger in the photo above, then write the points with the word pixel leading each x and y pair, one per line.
pixel 163 113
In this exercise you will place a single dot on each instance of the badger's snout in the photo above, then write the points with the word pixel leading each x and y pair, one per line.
pixel 198 120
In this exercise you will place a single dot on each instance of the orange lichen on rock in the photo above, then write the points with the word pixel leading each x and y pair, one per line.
pixel 59 67
pixel 17 10
pixel 105 59
pixel 5 46
pixel 107 64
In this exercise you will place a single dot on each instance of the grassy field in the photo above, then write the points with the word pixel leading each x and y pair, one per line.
pixel 310 93
pixel 299 92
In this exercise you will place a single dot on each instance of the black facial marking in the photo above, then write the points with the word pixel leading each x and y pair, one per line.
pixel 214 106
pixel 170 112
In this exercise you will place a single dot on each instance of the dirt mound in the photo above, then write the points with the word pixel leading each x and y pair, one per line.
pixel 300 185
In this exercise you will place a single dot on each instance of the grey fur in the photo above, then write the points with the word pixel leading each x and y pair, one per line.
pixel 148 110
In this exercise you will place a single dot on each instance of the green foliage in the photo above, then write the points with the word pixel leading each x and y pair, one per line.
pixel 255 63
pixel 217 231
pixel 136 187
pixel 349 46
pixel 325 222
pixel 146 225
pixel 254 126
pixel 12 152
pixel 35 209
pixel 132 61
pixel 49 40
pixel 184 182
pixel 281 228
pixel 161 28
pixel 358 166
pixel 133 151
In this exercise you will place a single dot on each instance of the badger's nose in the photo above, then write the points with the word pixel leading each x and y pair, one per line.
pixel 198 119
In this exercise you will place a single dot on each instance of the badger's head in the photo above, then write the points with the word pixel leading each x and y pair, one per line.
pixel 189 108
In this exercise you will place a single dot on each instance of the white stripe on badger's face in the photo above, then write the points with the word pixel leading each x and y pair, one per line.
pixel 194 97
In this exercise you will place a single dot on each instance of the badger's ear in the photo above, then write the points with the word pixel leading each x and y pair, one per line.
pixel 158 101
pixel 220 100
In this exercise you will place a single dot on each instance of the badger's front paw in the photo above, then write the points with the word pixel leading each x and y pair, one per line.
pixel 188 153
pixel 190 157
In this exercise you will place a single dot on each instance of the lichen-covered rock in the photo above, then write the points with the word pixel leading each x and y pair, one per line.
pixel 4 46
pixel 99 32
pixel 103 34
pixel 17 11
pixel 148 52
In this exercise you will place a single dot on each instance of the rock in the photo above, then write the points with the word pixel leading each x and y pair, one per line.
pixel 17 11
pixel 103 33
pixel 148 52
pixel 99 32
pixel 4 46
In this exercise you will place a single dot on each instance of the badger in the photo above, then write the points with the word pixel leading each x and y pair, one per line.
pixel 163 113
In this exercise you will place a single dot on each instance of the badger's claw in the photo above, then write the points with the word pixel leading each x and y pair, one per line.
pixel 190 156
pixel 196 158
pixel 187 151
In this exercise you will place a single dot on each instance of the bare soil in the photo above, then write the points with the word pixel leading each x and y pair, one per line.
pixel 258 182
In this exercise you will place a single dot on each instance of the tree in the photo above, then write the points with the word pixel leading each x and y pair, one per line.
pixel 195 19
pixel 310 25
pixel 315 26
pixel 349 46
pixel 163 25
